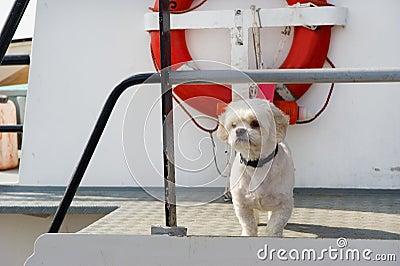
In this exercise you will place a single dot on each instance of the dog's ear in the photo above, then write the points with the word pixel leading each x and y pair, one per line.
pixel 222 132
pixel 281 123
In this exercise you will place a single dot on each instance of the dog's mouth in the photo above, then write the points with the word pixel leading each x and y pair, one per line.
pixel 243 139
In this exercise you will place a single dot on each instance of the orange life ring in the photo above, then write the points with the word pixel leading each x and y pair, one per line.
pixel 309 50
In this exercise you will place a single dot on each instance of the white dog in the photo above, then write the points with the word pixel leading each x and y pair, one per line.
pixel 262 174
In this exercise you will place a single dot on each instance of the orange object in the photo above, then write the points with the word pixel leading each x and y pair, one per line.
pixel 8 141
pixel 309 50
pixel 289 108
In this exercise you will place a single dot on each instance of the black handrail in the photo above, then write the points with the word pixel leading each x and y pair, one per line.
pixel 92 144
pixel 13 60
pixel 168 152
pixel 11 128
pixel 6 36
pixel 11 25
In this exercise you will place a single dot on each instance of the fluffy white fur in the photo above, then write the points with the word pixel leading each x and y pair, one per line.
pixel 268 188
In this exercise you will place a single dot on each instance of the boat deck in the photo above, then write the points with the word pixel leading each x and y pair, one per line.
pixel 318 213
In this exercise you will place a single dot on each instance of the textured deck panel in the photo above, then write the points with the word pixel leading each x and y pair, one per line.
pixel 318 213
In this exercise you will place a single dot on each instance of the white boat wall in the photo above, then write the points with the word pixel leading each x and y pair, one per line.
pixel 83 49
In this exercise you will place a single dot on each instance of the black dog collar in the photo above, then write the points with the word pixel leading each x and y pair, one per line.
pixel 259 162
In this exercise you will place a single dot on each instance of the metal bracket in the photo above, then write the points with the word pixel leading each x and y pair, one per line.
pixel 271 17
pixel 237 31
pixel 166 230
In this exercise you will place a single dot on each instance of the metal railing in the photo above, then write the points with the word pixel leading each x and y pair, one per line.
pixel 6 35
pixel 325 75
pixel 168 78
pixel 14 60
pixel 92 144
pixel 207 76
pixel 11 25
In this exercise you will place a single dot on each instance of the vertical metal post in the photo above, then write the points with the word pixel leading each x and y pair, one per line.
pixel 167 115
pixel 11 25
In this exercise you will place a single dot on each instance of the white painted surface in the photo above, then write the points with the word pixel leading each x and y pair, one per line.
pixel 272 17
pixel 82 49
pixel 56 249
pixel 19 232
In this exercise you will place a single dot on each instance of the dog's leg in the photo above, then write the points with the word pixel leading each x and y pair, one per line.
pixel 227 193
pixel 247 221
pixel 278 220
pixel 268 216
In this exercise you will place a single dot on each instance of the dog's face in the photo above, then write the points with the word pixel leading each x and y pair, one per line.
pixel 252 127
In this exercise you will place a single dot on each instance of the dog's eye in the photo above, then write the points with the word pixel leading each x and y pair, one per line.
pixel 233 125
pixel 254 124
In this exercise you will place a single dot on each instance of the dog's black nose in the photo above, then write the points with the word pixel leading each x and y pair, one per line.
pixel 240 132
